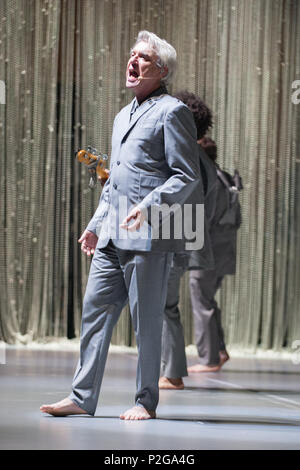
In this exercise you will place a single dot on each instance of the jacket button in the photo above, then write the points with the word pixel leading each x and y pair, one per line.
pixel 115 186
pixel 118 163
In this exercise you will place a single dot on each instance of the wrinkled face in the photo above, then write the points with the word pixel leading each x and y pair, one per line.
pixel 142 71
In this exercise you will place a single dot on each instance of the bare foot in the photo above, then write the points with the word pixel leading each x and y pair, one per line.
pixel 224 356
pixel 202 368
pixel 138 413
pixel 62 408
pixel 165 383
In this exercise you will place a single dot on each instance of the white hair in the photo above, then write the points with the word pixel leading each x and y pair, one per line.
pixel 166 53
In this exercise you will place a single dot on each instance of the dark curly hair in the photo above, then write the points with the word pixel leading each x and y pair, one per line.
pixel 202 114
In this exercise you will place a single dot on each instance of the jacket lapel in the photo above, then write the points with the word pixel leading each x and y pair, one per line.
pixel 136 116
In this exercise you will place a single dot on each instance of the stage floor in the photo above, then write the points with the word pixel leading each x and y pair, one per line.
pixel 250 404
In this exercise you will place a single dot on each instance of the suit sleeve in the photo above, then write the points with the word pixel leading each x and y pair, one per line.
pixel 211 203
pixel 94 224
pixel 181 154
pixel 101 211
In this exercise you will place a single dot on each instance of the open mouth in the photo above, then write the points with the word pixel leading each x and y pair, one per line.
pixel 132 74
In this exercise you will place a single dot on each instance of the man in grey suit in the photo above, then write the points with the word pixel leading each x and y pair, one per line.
pixel 204 283
pixel 207 269
pixel 153 164
pixel 173 360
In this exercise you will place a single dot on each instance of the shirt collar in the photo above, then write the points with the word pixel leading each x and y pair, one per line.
pixel 161 90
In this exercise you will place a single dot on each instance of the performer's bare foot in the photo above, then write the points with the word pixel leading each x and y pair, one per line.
pixel 203 368
pixel 138 413
pixel 224 356
pixel 62 408
pixel 166 383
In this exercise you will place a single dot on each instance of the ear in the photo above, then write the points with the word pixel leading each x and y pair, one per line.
pixel 164 71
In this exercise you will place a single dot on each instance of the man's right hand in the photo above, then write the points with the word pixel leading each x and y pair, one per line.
pixel 88 242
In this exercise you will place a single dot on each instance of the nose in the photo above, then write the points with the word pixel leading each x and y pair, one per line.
pixel 133 59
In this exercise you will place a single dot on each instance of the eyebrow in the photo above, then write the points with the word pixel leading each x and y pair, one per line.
pixel 146 56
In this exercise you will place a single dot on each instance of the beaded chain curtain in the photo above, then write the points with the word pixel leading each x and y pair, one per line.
pixel 63 64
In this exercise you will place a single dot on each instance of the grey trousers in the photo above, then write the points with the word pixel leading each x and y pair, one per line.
pixel 116 276
pixel 173 358
pixel 209 335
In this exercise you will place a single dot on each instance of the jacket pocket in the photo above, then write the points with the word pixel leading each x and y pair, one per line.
pixel 148 124
pixel 148 130
pixel 148 183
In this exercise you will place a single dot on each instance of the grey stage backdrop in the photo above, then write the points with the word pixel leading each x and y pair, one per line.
pixel 63 63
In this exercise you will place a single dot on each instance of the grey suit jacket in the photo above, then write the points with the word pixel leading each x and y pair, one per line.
pixel 223 236
pixel 204 258
pixel 153 162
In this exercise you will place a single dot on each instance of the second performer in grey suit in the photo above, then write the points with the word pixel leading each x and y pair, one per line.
pixel 204 283
pixel 173 363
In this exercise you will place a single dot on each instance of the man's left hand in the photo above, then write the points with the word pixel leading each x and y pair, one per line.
pixel 136 214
